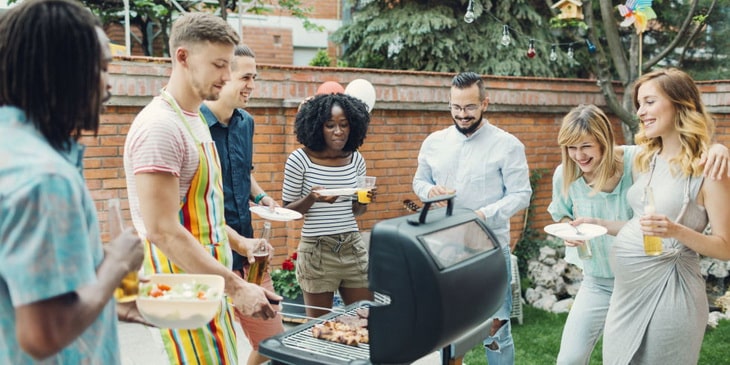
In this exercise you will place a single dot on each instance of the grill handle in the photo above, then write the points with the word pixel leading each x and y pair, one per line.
pixel 427 206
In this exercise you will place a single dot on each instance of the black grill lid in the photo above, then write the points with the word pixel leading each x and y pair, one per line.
pixel 445 274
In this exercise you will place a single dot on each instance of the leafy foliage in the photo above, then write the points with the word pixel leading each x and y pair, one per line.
pixel 531 240
pixel 322 59
pixel 285 279
pixel 432 36
pixel 154 17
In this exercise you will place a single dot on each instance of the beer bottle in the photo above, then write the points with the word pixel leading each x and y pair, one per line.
pixel 261 255
pixel 652 244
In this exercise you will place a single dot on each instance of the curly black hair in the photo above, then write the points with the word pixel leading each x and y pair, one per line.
pixel 316 112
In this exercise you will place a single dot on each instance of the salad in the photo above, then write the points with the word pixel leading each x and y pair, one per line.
pixel 192 290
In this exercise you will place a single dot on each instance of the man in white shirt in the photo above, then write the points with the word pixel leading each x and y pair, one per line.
pixel 487 169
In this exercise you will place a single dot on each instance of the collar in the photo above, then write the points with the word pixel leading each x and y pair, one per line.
pixel 211 120
pixel 75 154
pixel 208 116
pixel 11 114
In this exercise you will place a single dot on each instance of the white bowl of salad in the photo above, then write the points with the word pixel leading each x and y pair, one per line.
pixel 184 301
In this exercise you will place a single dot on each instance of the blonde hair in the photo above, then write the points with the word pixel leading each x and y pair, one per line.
pixel 193 28
pixel 692 121
pixel 581 122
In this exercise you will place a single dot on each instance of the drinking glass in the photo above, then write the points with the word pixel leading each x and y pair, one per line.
pixel 261 256
pixel 129 287
pixel 364 185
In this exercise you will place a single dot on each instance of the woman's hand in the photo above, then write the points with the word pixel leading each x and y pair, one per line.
pixel 658 225
pixel 322 198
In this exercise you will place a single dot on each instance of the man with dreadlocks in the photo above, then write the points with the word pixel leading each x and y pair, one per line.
pixel 56 280
pixel 331 127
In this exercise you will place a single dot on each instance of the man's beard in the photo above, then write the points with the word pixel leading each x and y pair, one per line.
pixel 471 129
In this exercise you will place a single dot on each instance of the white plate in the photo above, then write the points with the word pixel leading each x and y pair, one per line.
pixel 279 214
pixel 337 192
pixel 567 232
pixel 181 313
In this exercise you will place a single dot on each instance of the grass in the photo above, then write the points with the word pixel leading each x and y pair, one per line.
pixel 537 341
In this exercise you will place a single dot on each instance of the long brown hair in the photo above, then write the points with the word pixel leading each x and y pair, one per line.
pixel 50 67
pixel 694 124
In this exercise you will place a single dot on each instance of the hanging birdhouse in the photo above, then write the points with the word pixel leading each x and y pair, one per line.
pixel 569 9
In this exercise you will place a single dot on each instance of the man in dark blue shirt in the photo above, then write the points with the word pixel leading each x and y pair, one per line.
pixel 232 130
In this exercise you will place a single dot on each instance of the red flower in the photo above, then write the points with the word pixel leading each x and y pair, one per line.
pixel 285 279
pixel 287 265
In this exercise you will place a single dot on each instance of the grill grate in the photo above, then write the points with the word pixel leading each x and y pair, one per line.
pixel 304 341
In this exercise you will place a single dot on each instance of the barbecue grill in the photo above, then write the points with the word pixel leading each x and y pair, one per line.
pixel 443 273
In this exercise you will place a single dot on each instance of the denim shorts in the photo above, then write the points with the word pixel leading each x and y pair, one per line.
pixel 326 263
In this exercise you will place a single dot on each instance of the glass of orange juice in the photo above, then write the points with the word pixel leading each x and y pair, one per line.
pixel 364 185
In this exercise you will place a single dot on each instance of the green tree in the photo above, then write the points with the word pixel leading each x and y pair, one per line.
pixel 429 35
pixel 321 59
pixel 433 36
pixel 154 17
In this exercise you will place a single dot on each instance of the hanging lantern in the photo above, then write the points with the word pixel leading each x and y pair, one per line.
pixel 469 16
pixel 553 53
pixel 591 46
pixel 531 50
pixel 506 40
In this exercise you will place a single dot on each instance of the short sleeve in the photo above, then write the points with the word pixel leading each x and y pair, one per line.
pixel 156 146
pixel 293 187
pixel 47 237
pixel 561 204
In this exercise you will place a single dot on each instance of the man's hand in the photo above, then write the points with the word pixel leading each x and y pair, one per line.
pixel 268 201
pixel 441 190
pixel 252 300
pixel 128 312
pixel 126 249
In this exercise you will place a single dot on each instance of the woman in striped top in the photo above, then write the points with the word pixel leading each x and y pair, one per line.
pixel 331 253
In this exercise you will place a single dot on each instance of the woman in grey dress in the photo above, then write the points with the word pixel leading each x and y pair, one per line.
pixel 658 311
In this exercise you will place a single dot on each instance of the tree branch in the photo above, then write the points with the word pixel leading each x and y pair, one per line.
pixel 673 44
pixel 613 40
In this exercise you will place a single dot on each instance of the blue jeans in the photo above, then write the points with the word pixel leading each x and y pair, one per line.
pixel 585 322
pixel 504 354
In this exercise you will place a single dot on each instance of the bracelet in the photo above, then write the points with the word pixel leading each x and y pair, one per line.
pixel 258 198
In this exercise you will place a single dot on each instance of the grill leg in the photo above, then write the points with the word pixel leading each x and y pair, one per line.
pixel 446 357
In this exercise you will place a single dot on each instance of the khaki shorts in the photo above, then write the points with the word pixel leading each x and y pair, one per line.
pixel 257 329
pixel 326 263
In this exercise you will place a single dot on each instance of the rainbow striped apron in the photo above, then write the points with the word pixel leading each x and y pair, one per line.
pixel 201 213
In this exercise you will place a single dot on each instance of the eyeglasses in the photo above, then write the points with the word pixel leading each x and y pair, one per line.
pixel 469 109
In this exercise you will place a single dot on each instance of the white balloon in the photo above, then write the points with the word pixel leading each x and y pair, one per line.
pixel 363 90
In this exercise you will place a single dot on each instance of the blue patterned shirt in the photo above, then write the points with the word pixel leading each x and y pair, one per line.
pixel 49 240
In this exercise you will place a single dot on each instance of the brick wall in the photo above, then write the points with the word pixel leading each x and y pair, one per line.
pixel 409 106
pixel 271 45
pixel 320 9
